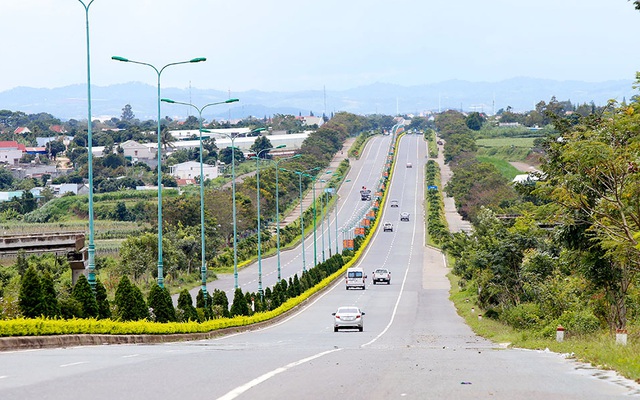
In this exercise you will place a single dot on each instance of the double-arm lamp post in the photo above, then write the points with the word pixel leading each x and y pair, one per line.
pixel 159 73
pixel 277 162
pixel 259 224
pixel 300 174
pixel 91 250
pixel 233 204
pixel 203 267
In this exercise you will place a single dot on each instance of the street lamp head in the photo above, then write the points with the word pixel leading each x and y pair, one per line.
pixel 232 100
pixel 258 130
pixel 280 146
pixel 197 59
pixel 168 101
pixel 118 58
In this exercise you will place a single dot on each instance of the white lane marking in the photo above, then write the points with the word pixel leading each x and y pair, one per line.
pixel 241 389
pixel 3 376
pixel 73 364
pixel 131 355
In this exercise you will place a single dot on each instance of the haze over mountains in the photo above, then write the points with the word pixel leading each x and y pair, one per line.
pixel 521 94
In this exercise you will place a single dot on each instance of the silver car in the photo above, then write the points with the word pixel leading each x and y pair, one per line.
pixel 348 317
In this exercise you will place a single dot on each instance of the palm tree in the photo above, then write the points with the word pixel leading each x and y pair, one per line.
pixel 166 139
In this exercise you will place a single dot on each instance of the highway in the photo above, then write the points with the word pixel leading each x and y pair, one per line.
pixel 414 345
pixel 364 172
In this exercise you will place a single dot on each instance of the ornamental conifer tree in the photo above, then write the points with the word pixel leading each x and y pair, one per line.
pixel 160 301
pixel 50 305
pixel 219 298
pixel 200 299
pixel 239 305
pixel 129 302
pixel 83 293
pixel 185 305
pixel 104 310
pixel 296 285
pixel 30 297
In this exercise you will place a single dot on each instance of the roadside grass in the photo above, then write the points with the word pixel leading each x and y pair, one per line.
pixel 598 349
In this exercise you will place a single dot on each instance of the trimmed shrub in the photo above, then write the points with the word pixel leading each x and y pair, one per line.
pixel 50 305
pixel 104 309
pixel 185 307
pixel 239 305
pixel 30 294
pixel 129 302
pixel 84 295
pixel 160 302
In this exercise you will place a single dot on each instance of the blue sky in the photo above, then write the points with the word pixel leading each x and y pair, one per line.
pixel 287 45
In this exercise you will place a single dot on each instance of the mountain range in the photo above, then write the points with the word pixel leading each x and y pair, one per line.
pixel 521 94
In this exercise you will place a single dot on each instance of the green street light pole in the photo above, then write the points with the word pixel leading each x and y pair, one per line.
pixel 91 251
pixel 159 72
pixel 328 212
pixel 336 214
pixel 322 207
pixel 233 204
pixel 203 267
pixel 259 223
pixel 300 174
pixel 278 161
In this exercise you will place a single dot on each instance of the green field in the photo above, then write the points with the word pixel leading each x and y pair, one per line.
pixel 506 142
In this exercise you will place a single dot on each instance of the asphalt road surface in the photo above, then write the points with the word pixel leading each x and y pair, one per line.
pixel 414 345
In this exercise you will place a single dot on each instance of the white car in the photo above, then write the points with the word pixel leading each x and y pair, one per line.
pixel 409 165
pixel 348 317
pixel 393 203
pixel 387 227
pixel 382 275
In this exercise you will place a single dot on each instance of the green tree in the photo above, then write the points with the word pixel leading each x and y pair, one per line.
pixel 55 147
pixel 593 172
pixel 6 179
pixel 225 156
pixel 104 309
pixel 21 262
pixel 474 121
pixel 160 302
pixel 83 293
pixel 127 114
pixel 239 305
pixel 30 297
pixel 50 305
pixel 129 302
pixel 185 306
pixel 219 298
pixel 262 144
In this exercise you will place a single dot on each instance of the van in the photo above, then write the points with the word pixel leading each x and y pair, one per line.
pixel 355 278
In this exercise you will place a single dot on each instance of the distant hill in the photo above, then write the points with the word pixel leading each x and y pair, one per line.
pixel 521 94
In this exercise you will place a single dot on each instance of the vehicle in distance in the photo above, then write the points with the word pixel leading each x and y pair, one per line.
pixel 365 194
pixel 387 227
pixel 382 275
pixel 348 317
pixel 404 216
pixel 409 165
pixel 355 278
pixel 393 203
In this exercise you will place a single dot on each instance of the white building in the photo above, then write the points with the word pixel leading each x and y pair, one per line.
pixel 191 170
pixel 137 151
